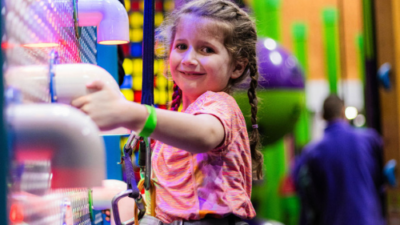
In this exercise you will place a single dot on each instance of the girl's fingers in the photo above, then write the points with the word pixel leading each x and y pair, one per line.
pixel 96 85
pixel 79 102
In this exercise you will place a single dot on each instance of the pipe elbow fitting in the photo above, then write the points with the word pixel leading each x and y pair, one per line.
pixel 63 135
pixel 109 16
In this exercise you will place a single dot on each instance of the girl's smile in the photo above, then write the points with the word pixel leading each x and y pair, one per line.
pixel 190 73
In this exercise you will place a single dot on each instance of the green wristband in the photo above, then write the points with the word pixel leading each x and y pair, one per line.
pixel 151 122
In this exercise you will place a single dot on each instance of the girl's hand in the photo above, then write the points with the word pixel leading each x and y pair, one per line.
pixel 102 105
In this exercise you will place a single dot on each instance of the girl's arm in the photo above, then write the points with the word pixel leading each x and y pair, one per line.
pixel 193 133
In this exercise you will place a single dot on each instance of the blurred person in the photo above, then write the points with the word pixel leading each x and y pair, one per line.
pixel 339 178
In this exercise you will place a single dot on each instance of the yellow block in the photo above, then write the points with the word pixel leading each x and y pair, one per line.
pixel 137 83
pixel 180 107
pixel 161 81
pixel 136 19
pixel 127 5
pixel 161 66
pixel 136 34
pixel 169 5
pixel 137 65
pixel 128 93
pixel 163 98
pixel 127 65
pixel 156 96
pixel 155 66
pixel 170 85
pixel 122 142
pixel 158 19
pixel 141 5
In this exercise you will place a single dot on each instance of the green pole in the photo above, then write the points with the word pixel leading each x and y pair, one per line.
pixel 368 29
pixel 302 128
pixel 266 195
pixel 330 27
pixel 258 6
pixel 267 14
pixel 361 57
pixel 299 32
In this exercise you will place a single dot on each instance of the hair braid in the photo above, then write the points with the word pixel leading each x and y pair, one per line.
pixel 176 98
pixel 256 155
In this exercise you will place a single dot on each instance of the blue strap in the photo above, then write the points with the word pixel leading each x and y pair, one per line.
pixel 129 172
pixel 148 53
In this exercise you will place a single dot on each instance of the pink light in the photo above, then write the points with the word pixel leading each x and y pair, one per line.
pixel 113 42
pixel 41 45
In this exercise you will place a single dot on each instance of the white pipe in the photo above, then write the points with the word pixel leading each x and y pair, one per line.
pixel 109 16
pixel 70 81
pixel 62 134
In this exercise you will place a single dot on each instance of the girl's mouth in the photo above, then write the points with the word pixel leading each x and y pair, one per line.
pixel 191 73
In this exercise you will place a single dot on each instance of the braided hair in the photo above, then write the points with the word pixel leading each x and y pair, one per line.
pixel 240 39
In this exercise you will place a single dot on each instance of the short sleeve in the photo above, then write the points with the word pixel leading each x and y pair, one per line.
pixel 223 107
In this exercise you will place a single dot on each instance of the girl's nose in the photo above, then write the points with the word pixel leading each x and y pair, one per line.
pixel 189 57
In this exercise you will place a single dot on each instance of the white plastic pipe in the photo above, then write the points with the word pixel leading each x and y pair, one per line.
pixel 109 16
pixel 70 81
pixel 62 134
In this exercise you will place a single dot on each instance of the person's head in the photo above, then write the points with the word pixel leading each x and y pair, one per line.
pixel 333 108
pixel 212 47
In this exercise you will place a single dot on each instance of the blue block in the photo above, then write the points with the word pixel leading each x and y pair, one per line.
pixel 127 84
pixel 136 49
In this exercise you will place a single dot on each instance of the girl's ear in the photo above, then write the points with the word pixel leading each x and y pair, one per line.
pixel 239 68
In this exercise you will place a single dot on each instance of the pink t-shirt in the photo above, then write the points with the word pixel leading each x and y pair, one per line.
pixel 190 186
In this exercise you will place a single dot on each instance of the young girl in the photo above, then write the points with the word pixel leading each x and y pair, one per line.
pixel 203 162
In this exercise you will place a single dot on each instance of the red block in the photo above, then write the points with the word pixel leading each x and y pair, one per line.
pixel 135 6
pixel 126 49
pixel 137 96
pixel 159 6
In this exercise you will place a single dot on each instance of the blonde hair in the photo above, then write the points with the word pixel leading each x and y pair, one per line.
pixel 240 39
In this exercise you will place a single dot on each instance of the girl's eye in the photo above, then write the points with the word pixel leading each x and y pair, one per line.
pixel 181 46
pixel 207 50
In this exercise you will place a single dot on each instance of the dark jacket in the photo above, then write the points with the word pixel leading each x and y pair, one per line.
pixel 340 179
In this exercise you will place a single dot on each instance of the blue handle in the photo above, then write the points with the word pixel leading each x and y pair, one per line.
pixel 383 75
pixel 390 172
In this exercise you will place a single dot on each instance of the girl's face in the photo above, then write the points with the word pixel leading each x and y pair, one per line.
pixel 199 61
